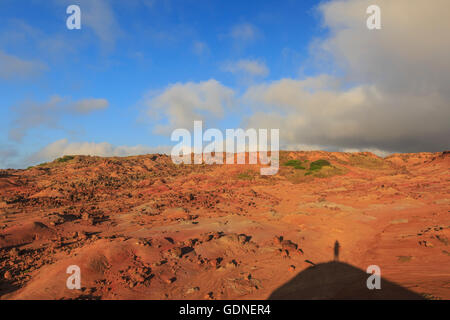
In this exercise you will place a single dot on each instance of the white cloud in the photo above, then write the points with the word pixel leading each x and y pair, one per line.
pixel 12 67
pixel 247 67
pixel 244 32
pixel 32 114
pixel 63 147
pixel 89 105
pixel 99 16
pixel 182 103
pixel 200 48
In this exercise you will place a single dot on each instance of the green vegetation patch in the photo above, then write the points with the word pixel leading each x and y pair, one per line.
pixel 367 162
pixel 296 164
pixel 247 175
pixel 318 164
pixel 308 170
pixel 64 159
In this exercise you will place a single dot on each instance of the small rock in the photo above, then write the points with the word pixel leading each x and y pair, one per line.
pixel 139 278
pixel 231 264
pixel 14 252
pixel 171 280
pixel 288 244
pixel 209 296
pixel 215 262
pixel 277 240
pixel 190 242
pixel 7 275
pixel 192 290
pixel 242 238
pixel 176 252
pixel 82 235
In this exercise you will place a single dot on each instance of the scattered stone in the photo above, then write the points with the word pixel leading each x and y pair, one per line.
pixel 285 253
pixel 231 264
pixel 215 262
pixel 170 280
pixel 209 295
pixel 192 290
pixel 288 245
pixel 242 238
pixel 190 242
pixel 176 252
pixel 277 240
pixel 14 253
pixel 426 244
pixel 206 238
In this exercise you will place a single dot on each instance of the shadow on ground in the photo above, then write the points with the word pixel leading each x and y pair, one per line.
pixel 7 287
pixel 337 280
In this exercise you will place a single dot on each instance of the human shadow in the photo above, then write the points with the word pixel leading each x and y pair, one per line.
pixel 336 250
pixel 338 280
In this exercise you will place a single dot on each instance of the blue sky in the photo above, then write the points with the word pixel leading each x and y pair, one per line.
pixel 109 84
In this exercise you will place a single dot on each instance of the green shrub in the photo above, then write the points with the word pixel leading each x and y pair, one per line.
pixel 296 164
pixel 318 164
pixel 291 163
pixel 64 159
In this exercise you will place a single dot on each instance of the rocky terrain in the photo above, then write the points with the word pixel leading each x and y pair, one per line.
pixel 143 228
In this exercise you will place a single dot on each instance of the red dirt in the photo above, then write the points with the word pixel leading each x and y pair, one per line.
pixel 143 228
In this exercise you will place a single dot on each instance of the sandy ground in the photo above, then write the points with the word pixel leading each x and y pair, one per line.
pixel 143 228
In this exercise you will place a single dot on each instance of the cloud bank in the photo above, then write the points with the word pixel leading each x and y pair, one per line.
pixel 391 91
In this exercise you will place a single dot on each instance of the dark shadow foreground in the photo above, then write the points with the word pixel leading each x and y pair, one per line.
pixel 337 280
